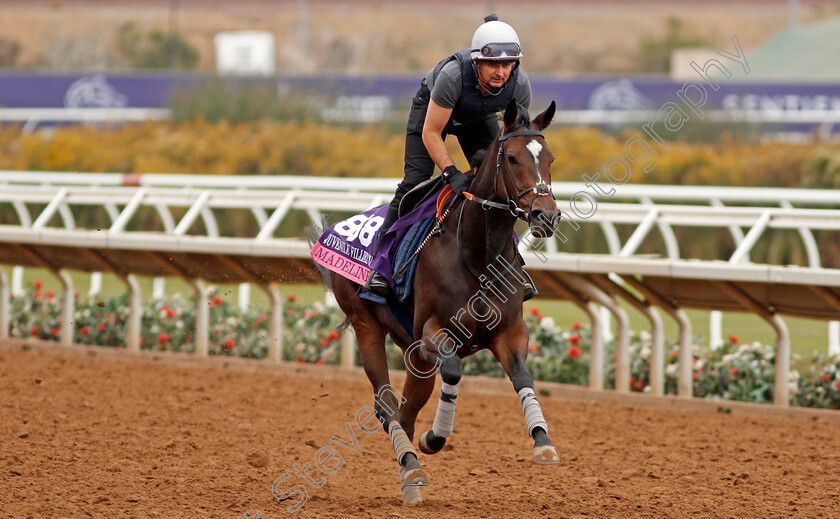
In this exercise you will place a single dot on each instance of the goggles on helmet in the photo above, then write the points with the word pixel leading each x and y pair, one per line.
pixel 499 51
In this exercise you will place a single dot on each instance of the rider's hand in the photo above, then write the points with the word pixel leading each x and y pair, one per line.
pixel 459 181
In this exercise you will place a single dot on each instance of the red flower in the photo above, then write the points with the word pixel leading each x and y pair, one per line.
pixel 576 326
pixel 84 330
pixel 216 301
pixel 168 312
pixel 733 371
pixel 319 361
pixel 101 304
pixel 325 343
pixel 838 385
pixel 574 339
pixel 37 294
pixel 533 347
pixel 50 294
pixel 535 311
pixel 696 376
pixel 292 298
pixel 734 339
pixel 38 284
pixel 300 360
pixel 229 344
pixel 675 353
pixel 100 327
pixel 34 331
pixel 826 377
pixel 574 352
pixel 259 320
pixel 54 331
pixel 163 338
pixel 333 336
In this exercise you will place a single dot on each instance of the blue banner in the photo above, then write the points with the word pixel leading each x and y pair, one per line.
pixel 381 94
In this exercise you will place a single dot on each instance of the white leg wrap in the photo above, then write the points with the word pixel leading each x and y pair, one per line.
pixel 445 415
pixel 402 445
pixel 531 409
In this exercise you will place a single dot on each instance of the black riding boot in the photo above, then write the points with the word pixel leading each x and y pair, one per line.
pixel 376 282
pixel 530 288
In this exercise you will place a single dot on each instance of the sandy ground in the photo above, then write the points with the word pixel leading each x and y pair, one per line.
pixel 85 436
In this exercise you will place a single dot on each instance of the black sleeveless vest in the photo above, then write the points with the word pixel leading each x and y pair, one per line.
pixel 474 106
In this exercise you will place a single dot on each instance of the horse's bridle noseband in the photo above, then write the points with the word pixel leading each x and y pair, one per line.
pixel 540 189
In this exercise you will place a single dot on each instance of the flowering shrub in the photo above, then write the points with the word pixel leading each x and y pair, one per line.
pixel 735 372
pixel 169 325
pixel 821 388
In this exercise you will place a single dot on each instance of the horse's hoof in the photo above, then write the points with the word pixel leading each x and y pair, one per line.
pixel 411 495
pixel 414 478
pixel 545 455
pixel 433 447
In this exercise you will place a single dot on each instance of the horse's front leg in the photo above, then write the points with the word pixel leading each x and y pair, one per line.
pixel 433 440
pixel 511 350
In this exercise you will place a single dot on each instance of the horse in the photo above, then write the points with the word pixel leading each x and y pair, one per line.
pixel 468 294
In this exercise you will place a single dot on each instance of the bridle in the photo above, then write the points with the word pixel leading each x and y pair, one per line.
pixel 511 205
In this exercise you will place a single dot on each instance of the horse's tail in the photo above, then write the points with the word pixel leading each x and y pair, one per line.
pixel 313 234
pixel 343 325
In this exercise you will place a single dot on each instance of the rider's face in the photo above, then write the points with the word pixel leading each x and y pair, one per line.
pixel 494 73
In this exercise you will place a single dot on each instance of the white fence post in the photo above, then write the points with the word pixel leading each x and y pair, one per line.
pixel 715 329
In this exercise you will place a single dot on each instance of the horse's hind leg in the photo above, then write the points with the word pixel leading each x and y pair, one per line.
pixel 371 337
pixel 419 384
pixel 433 440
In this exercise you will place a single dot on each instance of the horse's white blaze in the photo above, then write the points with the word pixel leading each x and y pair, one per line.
pixel 535 148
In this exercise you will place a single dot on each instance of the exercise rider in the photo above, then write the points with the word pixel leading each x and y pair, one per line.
pixel 461 96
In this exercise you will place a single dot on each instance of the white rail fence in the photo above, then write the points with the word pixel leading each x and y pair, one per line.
pixel 42 199
pixel 367 193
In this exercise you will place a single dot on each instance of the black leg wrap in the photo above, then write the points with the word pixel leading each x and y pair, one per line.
pixel 431 444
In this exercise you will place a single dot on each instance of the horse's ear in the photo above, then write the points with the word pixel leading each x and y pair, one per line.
pixel 510 114
pixel 544 119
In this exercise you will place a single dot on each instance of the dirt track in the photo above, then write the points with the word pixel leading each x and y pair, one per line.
pixel 111 438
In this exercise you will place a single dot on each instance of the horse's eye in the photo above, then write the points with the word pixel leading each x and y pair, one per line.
pixel 512 160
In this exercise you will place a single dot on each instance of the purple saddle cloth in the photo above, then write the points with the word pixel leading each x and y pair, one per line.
pixel 347 247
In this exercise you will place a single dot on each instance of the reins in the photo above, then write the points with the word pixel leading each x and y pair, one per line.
pixel 443 206
pixel 540 189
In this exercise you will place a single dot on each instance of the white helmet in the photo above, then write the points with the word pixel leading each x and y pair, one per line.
pixel 495 41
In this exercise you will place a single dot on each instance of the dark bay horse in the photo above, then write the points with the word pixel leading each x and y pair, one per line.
pixel 468 292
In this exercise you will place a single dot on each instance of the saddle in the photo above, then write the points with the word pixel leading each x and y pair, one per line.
pixel 434 186
pixel 419 194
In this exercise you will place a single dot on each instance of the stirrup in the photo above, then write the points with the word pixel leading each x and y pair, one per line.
pixel 530 288
pixel 530 292
pixel 377 284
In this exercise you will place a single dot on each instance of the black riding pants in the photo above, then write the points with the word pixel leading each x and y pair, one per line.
pixel 419 165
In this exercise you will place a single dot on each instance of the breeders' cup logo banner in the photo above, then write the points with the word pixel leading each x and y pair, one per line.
pixel 347 247
pixel 93 92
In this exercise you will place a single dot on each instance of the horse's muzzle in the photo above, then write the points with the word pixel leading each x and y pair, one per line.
pixel 541 222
